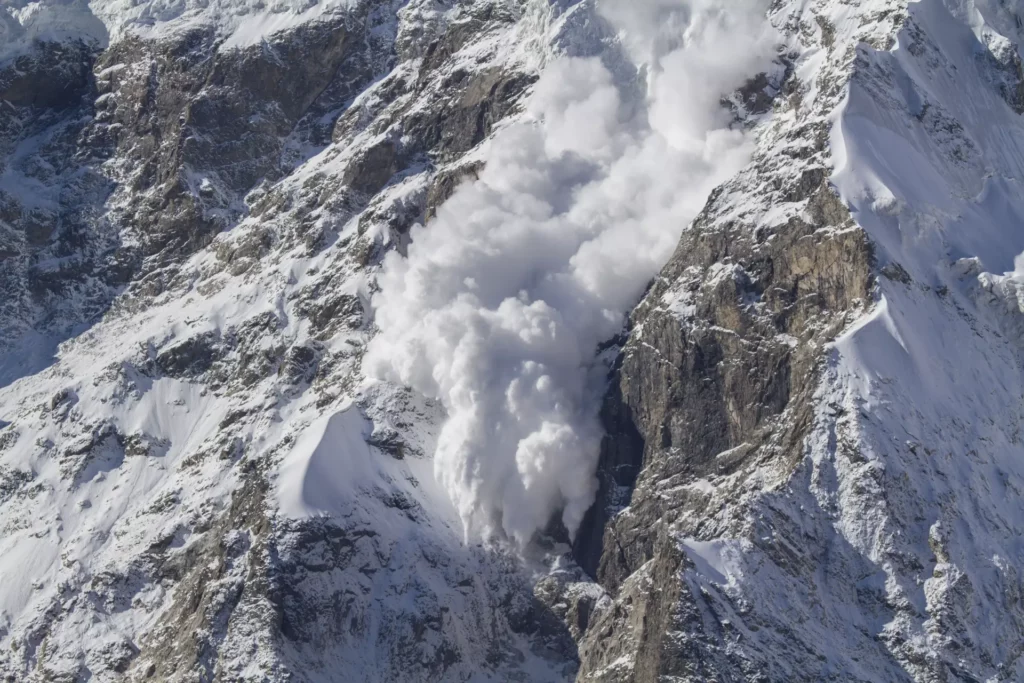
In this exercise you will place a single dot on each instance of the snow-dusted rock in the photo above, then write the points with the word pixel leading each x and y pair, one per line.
pixel 811 466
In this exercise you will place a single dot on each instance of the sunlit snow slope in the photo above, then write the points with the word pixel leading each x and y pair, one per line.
pixel 803 444
pixel 836 495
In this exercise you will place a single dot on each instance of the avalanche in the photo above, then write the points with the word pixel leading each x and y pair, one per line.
pixel 502 301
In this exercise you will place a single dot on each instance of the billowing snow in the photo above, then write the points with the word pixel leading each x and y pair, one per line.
pixel 501 304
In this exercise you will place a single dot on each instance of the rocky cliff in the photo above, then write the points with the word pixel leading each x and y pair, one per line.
pixel 806 460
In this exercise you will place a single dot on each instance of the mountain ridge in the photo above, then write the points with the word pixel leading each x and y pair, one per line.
pixel 810 467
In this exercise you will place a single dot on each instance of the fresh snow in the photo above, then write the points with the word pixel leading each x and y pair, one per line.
pixel 926 386
pixel 239 23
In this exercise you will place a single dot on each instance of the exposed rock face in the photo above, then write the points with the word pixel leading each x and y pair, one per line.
pixel 738 313
pixel 53 246
pixel 812 467
pixel 746 528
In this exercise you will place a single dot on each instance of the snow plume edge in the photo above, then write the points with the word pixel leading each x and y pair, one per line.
pixel 504 297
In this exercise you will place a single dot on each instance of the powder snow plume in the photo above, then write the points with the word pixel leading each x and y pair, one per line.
pixel 503 299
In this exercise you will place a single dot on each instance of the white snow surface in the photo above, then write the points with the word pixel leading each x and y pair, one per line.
pixel 239 23
pixel 932 378
pixel 929 383
pixel 86 511
pixel 914 471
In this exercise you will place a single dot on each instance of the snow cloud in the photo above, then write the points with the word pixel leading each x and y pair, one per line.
pixel 503 299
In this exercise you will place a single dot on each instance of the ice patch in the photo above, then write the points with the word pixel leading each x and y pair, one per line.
pixel 715 560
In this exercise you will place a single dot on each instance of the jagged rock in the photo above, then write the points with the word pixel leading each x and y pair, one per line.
pixel 197 482
pixel 719 432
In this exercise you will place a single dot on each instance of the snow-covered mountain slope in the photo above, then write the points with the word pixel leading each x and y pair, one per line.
pixel 829 462
pixel 196 487
pixel 805 462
